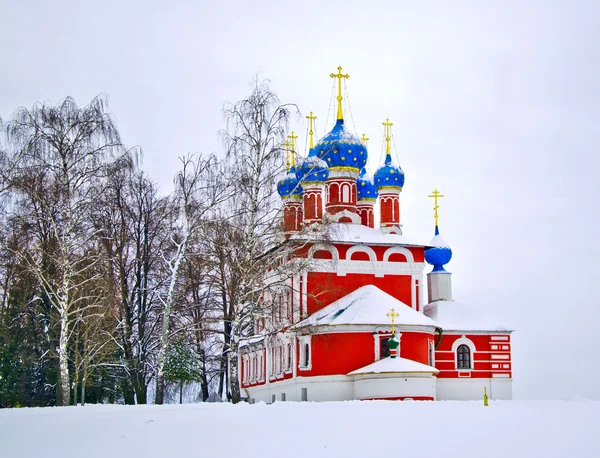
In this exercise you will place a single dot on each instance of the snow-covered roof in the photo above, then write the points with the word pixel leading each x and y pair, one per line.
pixel 394 365
pixel 357 233
pixel 366 305
pixel 457 316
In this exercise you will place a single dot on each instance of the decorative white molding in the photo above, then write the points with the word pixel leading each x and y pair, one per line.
pixel 398 250
pixel 361 249
pixel 469 343
pixel 324 247
pixel 343 267
pixel 354 217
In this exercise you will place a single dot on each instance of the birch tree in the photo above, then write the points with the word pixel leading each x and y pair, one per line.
pixel 57 156
pixel 199 191
pixel 249 245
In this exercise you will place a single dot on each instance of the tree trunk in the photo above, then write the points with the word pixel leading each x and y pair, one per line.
pixel 180 392
pixel 160 388
pixel 83 390
pixel 128 391
pixel 76 381
pixel 63 359
pixel 141 392
pixel 204 380
pixel 222 375
pixel 234 384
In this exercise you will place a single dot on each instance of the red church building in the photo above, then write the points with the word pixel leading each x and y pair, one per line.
pixel 353 323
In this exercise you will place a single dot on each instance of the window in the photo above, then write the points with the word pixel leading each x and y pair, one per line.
pixel 260 367
pixel 345 193
pixel 431 354
pixel 384 348
pixel 283 396
pixel 304 352
pixel 304 394
pixel 463 357
pixel 272 361
pixel 288 366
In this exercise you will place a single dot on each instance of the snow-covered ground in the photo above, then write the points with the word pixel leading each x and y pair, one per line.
pixel 310 430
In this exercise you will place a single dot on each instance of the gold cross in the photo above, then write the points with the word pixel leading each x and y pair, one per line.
pixel 310 132
pixel 339 76
pixel 293 137
pixel 287 155
pixel 387 125
pixel 364 138
pixel 393 315
pixel 436 195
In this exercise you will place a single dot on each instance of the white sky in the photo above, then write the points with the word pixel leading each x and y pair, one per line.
pixel 496 104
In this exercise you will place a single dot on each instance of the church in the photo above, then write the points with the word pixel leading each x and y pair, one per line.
pixel 353 324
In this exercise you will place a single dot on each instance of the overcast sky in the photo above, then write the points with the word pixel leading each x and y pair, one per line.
pixel 497 104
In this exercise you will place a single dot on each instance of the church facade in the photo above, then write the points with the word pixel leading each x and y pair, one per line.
pixel 354 324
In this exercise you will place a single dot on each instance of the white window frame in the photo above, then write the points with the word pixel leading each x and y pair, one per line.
pixel 302 342
pixel 469 343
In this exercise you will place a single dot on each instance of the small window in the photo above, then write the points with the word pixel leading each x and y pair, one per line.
pixel 463 357
pixel 306 354
pixel 283 396
pixel 345 193
pixel 304 394
pixel 304 361
pixel 384 348
pixel 431 354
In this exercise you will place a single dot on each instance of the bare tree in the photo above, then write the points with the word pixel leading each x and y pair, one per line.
pixel 134 225
pixel 56 157
pixel 199 191
pixel 249 249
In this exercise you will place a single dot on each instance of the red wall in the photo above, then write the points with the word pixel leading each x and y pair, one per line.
pixel 323 287
pixel 414 345
pixel 338 354
pixel 482 359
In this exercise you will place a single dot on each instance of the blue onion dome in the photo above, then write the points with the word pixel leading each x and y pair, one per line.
pixel 389 175
pixel 440 254
pixel 365 189
pixel 312 170
pixel 289 186
pixel 342 150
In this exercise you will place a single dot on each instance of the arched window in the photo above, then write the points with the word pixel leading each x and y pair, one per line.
pixel 306 354
pixel 463 357
pixel 345 193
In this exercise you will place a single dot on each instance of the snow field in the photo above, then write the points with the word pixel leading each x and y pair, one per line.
pixel 308 430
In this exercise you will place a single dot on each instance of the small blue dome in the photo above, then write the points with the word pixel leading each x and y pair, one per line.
pixel 312 169
pixel 440 254
pixel 389 175
pixel 289 186
pixel 365 189
pixel 340 148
